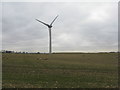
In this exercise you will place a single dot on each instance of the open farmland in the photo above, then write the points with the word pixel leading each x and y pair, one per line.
pixel 84 70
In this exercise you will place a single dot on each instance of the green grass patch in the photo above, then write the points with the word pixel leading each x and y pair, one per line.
pixel 98 70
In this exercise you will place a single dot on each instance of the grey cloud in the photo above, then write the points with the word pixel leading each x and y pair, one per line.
pixel 79 27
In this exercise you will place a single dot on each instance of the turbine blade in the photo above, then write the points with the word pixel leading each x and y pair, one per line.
pixel 42 22
pixel 53 20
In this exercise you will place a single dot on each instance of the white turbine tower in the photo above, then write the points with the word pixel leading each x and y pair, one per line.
pixel 49 27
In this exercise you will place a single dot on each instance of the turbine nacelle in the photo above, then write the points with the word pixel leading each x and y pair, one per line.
pixel 49 26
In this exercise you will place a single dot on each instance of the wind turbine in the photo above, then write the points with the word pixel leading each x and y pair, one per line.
pixel 49 28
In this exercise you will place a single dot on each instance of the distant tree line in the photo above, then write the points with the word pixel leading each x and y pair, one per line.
pixel 8 51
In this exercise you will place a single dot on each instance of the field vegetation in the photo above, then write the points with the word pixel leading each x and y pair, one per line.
pixel 77 70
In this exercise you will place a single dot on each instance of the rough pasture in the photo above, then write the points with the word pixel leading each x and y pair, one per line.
pixel 89 70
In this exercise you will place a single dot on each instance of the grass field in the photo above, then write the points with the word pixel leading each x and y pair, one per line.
pixel 89 70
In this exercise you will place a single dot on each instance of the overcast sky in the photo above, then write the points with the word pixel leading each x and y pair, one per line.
pixel 87 27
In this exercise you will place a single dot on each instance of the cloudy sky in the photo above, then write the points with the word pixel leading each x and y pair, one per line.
pixel 83 27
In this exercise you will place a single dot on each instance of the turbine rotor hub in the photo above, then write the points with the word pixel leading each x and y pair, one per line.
pixel 49 26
